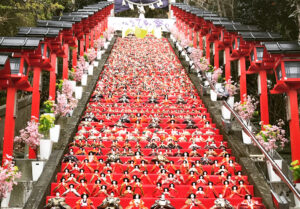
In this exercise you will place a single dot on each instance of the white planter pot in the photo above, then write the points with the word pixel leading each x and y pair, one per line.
pixel 187 58
pixel 208 75
pixel 45 149
pixel 71 113
pixel 246 138
pixel 179 47
pixel 5 201
pixel 91 69
pixel 87 64
pixel 84 80
pixel 73 84
pixel 78 92
pixel 37 169
pixel 99 55
pixel 96 64
pixel 272 175
pixel 297 201
pixel 183 53
pixel 218 86
pixel 230 101
pixel 213 95
pixel 54 133
pixel 226 114
pixel 106 44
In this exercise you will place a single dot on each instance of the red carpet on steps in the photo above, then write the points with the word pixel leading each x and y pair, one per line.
pixel 144 102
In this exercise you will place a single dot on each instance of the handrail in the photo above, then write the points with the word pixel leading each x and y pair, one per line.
pixel 276 168
pixel 262 149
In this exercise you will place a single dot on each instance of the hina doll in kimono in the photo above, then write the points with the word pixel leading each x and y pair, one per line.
pixel 193 203
pixel 84 203
pixel 136 203
pixel 57 202
pixel 249 203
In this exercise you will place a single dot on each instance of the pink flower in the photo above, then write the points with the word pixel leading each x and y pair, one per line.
pixel 8 175
pixel 230 87
pixel 272 136
pixel 247 108
pixel 30 135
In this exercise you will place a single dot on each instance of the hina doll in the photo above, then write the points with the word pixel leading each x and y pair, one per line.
pixel 61 187
pixel 110 202
pixel 82 187
pixel 226 190
pixel 193 189
pixel 235 193
pixel 249 203
pixel 95 176
pixel 114 188
pixel 200 193
pixel 222 203
pixel 210 191
pixel 124 185
pixel 96 187
pixel 57 202
pixel 162 203
pixel 242 188
pixel 84 203
pixel 72 179
pixel 128 193
pixel 136 203
pixel 86 166
pixel 178 176
pixel 191 177
pixel 193 203
pixel 173 191
pixel 145 179
pixel 71 192
pixel 102 192
pixel 138 187
pixel 158 190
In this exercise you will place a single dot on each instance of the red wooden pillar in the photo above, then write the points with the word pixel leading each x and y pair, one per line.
pixel 66 62
pixel 9 127
pixel 243 78
pixel 35 106
pixel 294 124
pixel 227 64
pixel 207 46
pixel 74 58
pixel 92 38
pixel 195 39
pixel 216 55
pixel 264 106
pixel 74 54
pixel 81 47
pixel 52 84
pixel 87 41
pixel 200 42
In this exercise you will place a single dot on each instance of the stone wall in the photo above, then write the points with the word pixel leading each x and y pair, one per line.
pixel 23 115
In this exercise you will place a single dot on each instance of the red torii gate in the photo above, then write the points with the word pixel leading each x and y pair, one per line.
pixel 52 39
pixel 13 76
pixel 34 52
pixel 68 40
pixel 286 57
pixel 257 58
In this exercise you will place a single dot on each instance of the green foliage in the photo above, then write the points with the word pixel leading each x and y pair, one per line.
pixel 59 85
pixel 71 74
pixel 18 13
pixel 48 106
pixel 295 168
pixel 46 122
pixel 85 57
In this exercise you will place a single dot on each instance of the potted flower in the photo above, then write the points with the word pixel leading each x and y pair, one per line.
pixel 71 77
pixel 9 173
pixel 246 110
pixel 49 108
pixel 271 137
pixel 45 124
pixel 295 168
pixel 66 102
pixel 90 56
pixel 31 137
pixel 81 70
pixel 99 44
pixel 230 91
pixel 105 36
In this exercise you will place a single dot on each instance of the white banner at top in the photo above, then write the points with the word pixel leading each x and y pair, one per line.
pixel 120 23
